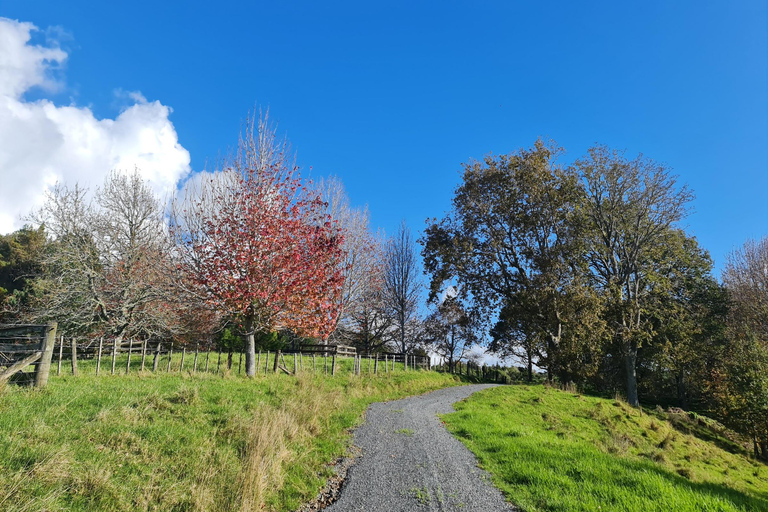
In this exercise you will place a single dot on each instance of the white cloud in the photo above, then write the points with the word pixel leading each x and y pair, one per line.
pixel 41 143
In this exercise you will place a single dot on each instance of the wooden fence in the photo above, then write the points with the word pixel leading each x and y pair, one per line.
pixel 111 356
pixel 22 346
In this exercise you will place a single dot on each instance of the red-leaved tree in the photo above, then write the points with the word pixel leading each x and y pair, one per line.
pixel 256 243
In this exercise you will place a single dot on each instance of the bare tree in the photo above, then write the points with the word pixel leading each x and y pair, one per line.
pixel 401 285
pixel 361 255
pixel 743 393
pixel 108 262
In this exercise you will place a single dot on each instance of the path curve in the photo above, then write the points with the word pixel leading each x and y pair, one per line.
pixel 410 462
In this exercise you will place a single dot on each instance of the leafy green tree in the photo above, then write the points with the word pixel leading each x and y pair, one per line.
pixel 687 310
pixel 630 206
pixel 21 255
pixel 513 243
pixel 741 384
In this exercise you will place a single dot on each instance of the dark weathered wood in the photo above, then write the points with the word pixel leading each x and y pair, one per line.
pixel 266 363
pixel 22 331
pixel 44 366
pixel 333 365
pixel 284 369
pixel 295 362
pixel 98 357
pixel 325 356
pixel 277 361
pixel 20 365
pixel 194 365
pixel 170 358
pixel 143 353
pixel 156 360
pixel 130 350
pixel 218 364
pixel 61 354
pixel 229 360
pixel 20 348
pixel 240 364
pixel 74 356
pixel 207 357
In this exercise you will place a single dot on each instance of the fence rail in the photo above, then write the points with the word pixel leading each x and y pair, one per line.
pixel 22 346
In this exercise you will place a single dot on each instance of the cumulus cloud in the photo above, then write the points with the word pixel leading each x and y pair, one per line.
pixel 41 143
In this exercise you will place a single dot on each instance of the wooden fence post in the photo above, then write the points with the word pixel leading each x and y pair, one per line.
pixel 98 357
pixel 143 353
pixel 376 366
pixel 277 361
pixel 240 364
pixel 301 361
pixel 74 356
pixel 207 357
pixel 295 369
pixel 218 363
pixel 197 351
pixel 183 353
pixel 386 363
pixel 170 358
pixel 44 366
pixel 130 349
pixel 266 363
pixel 61 353
pixel 156 360
pixel 325 356
pixel 333 365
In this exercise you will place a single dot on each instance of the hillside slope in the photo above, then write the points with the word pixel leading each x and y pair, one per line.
pixel 552 450
pixel 183 441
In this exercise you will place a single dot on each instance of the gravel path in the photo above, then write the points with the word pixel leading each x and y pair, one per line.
pixel 410 462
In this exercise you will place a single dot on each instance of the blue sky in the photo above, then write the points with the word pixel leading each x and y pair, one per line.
pixel 393 96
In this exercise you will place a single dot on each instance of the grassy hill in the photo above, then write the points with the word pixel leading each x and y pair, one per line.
pixel 550 450
pixel 182 441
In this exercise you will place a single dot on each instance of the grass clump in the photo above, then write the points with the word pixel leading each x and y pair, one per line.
pixel 183 441
pixel 552 450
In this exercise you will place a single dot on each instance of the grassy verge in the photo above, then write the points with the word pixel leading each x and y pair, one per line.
pixel 552 450
pixel 182 441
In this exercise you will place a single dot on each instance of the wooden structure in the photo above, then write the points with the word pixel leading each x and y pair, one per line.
pixel 25 345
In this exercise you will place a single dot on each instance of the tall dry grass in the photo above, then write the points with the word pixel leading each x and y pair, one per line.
pixel 302 415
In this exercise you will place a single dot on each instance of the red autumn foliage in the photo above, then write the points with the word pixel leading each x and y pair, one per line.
pixel 260 246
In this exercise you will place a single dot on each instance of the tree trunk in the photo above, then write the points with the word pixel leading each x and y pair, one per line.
pixel 250 351
pixel 530 368
pixel 631 364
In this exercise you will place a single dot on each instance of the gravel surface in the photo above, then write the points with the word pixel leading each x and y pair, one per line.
pixel 410 462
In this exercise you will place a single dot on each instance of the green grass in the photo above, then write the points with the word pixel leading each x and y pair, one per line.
pixel 550 450
pixel 182 441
